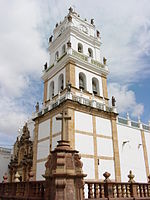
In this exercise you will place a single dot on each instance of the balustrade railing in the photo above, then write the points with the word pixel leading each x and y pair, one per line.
pixel 23 190
pixel 100 190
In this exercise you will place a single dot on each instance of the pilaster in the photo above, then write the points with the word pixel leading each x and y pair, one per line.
pixel 145 153
pixel 45 91
pixel 70 73
pixel 116 150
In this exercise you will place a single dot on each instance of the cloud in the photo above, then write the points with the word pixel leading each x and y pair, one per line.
pixel 125 99
pixel 25 28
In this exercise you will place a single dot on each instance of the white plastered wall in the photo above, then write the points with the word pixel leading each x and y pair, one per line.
pixel 43 149
pixel 44 129
pixel 89 77
pixel 40 171
pixel 131 153
pixel 147 141
pixel 55 79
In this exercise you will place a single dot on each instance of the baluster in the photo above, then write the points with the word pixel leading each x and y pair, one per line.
pixel 90 190
pixel 114 191
pixel 102 191
pixel 149 190
pixel 128 191
pixel 96 191
pixel 142 191
pixel 119 191
pixel 123 190
pixel 145 189
pixel 138 191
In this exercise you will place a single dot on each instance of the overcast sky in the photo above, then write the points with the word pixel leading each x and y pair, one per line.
pixel 25 26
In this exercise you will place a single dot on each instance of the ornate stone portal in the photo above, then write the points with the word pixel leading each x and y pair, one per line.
pixel 22 156
pixel 64 175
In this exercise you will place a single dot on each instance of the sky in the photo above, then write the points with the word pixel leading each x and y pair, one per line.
pixel 25 26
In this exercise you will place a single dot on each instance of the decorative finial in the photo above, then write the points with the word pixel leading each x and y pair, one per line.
pixel 37 107
pixel 92 21
pixel 5 178
pixel 104 60
pixel 107 175
pixel 128 117
pixel 85 19
pixel 131 177
pixel 113 101
pixel 56 25
pixel 50 38
pixel 45 66
pixel 98 33
pixel 70 10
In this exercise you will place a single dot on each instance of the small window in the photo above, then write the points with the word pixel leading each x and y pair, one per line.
pixel 95 86
pixel 80 48
pixel 60 83
pixel 63 49
pixel 82 81
pixel 90 52
pixel 57 55
pixel 51 89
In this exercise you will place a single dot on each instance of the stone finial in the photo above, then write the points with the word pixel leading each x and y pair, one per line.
pixel 5 178
pixel 92 21
pixel 70 10
pixel 37 107
pixel 50 39
pixel 17 177
pixel 98 33
pixel 128 117
pixel 131 177
pixel 104 60
pixel 113 101
pixel 31 175
pixel 107 175
pixel 45 66
pixel 69 44
pixel 69 18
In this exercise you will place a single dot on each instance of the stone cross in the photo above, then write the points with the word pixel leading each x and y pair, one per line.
pixel 63 117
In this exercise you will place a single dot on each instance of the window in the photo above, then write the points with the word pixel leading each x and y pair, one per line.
pixel 80 48
pixel 82 81
pixel 63 49
pixel 61 82
pixel 95 86
pixel 51 90
pixel 57 55
pixel 90 52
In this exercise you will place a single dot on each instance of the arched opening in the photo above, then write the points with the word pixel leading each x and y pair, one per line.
pixel 63 49
pixel 60 83
pixel 90 52
pixel 95 86
pixel 80 48
pixel 57 55
pixel 51 90
pixel 82 81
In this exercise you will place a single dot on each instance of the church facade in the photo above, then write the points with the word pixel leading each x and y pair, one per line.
pixel 76 108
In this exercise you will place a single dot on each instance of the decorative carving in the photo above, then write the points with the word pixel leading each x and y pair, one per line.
pixel 5 178
pixel 77 160
pixel 70 10
pixel 23 156
pixel 113 101
pixel 56 25
pixel 17 177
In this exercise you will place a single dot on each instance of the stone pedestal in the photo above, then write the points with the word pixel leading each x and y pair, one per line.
pixel 64 176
